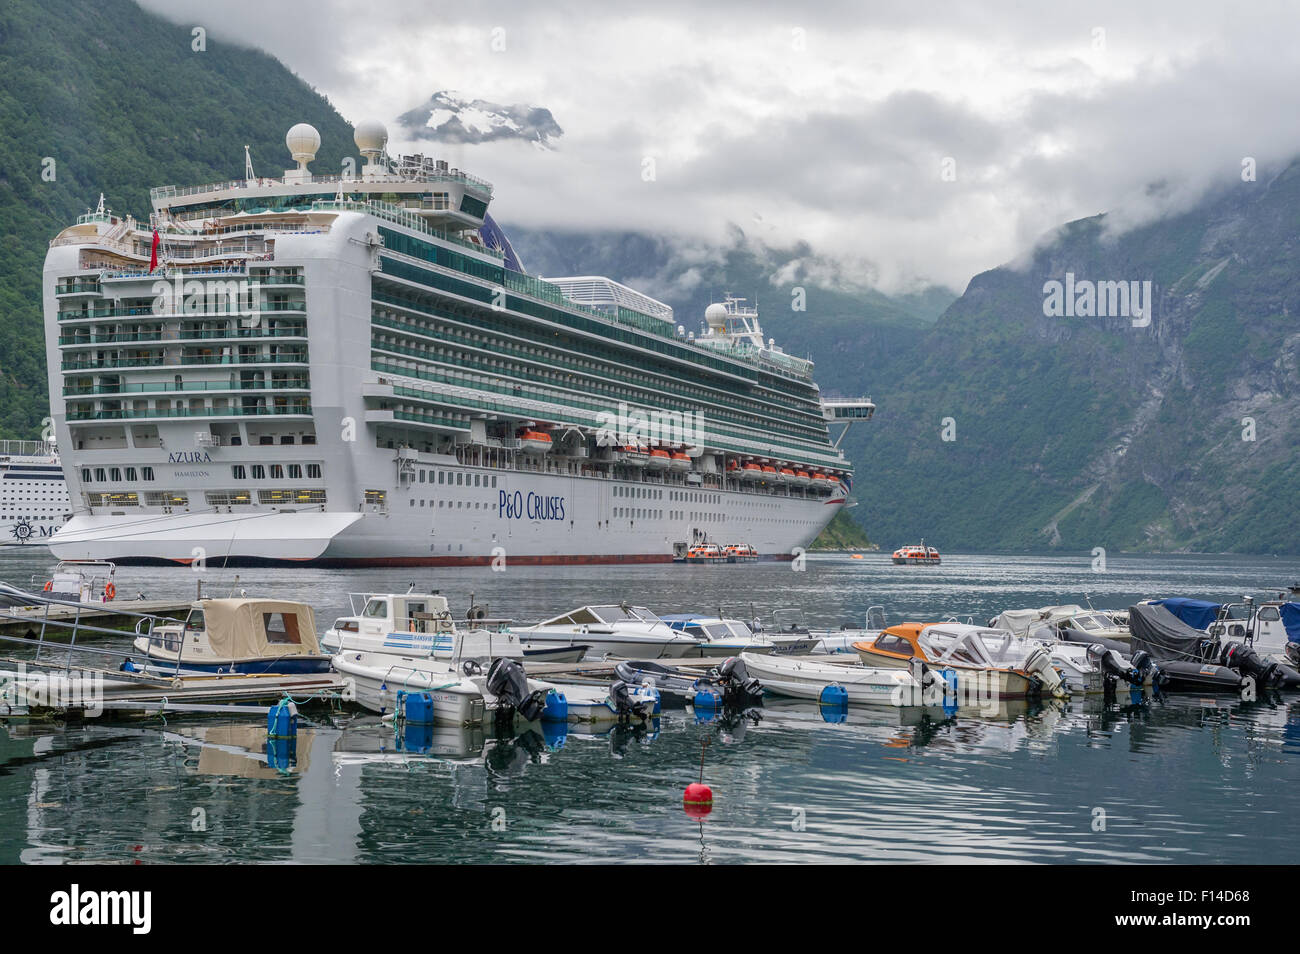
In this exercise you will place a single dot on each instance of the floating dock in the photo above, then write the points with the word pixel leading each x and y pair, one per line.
pixel 57 619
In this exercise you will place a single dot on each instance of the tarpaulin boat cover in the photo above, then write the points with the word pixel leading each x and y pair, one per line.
pixel 244 628
pixel 1291 620
pixel 1163 635
pixel 1198 614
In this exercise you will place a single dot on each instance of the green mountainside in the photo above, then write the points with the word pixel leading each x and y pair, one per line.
pixel 122 103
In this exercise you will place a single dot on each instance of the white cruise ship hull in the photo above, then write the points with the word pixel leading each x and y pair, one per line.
pixel 471 531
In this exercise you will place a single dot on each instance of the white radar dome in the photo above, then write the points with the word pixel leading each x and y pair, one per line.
pixel 716 315
pixel 303 140
pixel 370 136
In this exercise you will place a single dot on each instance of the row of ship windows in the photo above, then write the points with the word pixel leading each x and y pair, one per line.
pixel 685 496
pixel 456 504
pixel 237 471
pixel 213 498
pixel 462 479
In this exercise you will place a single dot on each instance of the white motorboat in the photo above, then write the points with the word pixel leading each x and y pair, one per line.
pixel 1002 663
pixel 721 637
pixel 412 623
pixel 809 678
pixel 1087 623
pixel 598 705
pixel 623 631
pixel 459 675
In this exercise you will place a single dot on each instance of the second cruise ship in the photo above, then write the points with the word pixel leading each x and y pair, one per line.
pixel 356 369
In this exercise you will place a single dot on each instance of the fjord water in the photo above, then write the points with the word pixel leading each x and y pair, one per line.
pixel 1184 779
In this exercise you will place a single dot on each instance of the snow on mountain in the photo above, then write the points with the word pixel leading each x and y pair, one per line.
pixel 451 118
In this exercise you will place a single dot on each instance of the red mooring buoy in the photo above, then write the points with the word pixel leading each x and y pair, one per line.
pixel 698 800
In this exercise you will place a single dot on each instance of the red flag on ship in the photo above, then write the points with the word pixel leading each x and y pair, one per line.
pixel 153 253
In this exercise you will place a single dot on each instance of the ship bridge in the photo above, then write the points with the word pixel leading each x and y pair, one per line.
pixel 847 411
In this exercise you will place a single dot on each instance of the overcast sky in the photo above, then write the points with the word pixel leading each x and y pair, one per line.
pixel 827 122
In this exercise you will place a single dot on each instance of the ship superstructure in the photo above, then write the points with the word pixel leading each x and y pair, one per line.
pixel 356 370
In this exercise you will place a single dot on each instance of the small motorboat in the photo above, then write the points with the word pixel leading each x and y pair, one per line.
pixel 1001 663
pixel 833 683
pixel 1189 659
pixel 620 701
pixel 247 636
pixel 82 581
pixel 618 630
pixel 476 674
pixel 916 555
pixel 729 684
pixel 1043 622
pixel 729 637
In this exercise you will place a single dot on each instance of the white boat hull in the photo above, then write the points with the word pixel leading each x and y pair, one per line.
pixel 806 678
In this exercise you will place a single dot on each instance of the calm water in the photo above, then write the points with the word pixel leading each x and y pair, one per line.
pixel 1183 780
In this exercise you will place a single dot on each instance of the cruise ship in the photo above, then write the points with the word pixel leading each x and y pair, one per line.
pixel 357 370
pixel 34 500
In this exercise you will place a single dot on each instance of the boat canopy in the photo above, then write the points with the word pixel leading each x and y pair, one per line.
pixel 1019 621
pixel 239 628
pixel 1162 634
pixel 1291 620
pixel 1198 614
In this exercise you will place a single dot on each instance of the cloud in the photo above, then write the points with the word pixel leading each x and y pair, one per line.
pixel 827 123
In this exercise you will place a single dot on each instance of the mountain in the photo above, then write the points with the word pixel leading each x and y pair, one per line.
pixel 1080 432
pixel 451 118
pixel 119 101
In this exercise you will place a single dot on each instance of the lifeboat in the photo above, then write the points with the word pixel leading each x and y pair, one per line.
pixel 740 553
pixel 634 455
pixel 534 442
pixel 770 474
pixel 658 460
pixel 786 475
pixel 915 555
pixel 751 471
pixel 679 462
pixel 706 553
pixel 820 482
pixel 800 479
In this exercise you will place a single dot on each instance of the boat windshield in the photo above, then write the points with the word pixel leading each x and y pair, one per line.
pixel 196 619
pixel 740 629
pixel 622 614
pixel 376 609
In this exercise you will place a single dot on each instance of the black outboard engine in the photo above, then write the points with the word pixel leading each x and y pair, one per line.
pixel 738 687
pixel 1113 668
pixel 507 681
pixel 623 702
pixel 1249 663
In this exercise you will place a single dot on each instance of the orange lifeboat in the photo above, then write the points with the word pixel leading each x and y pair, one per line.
pixel 658 460
pixel 679 462
pixel 534 442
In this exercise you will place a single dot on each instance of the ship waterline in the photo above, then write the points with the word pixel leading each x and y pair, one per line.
pixel 358 371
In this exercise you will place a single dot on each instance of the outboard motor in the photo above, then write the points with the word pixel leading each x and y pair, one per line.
pixel 1039 665
pixel 738 686
pixel 507 681
pixel 1248 662
pixel 1113 668
pixel 623 702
